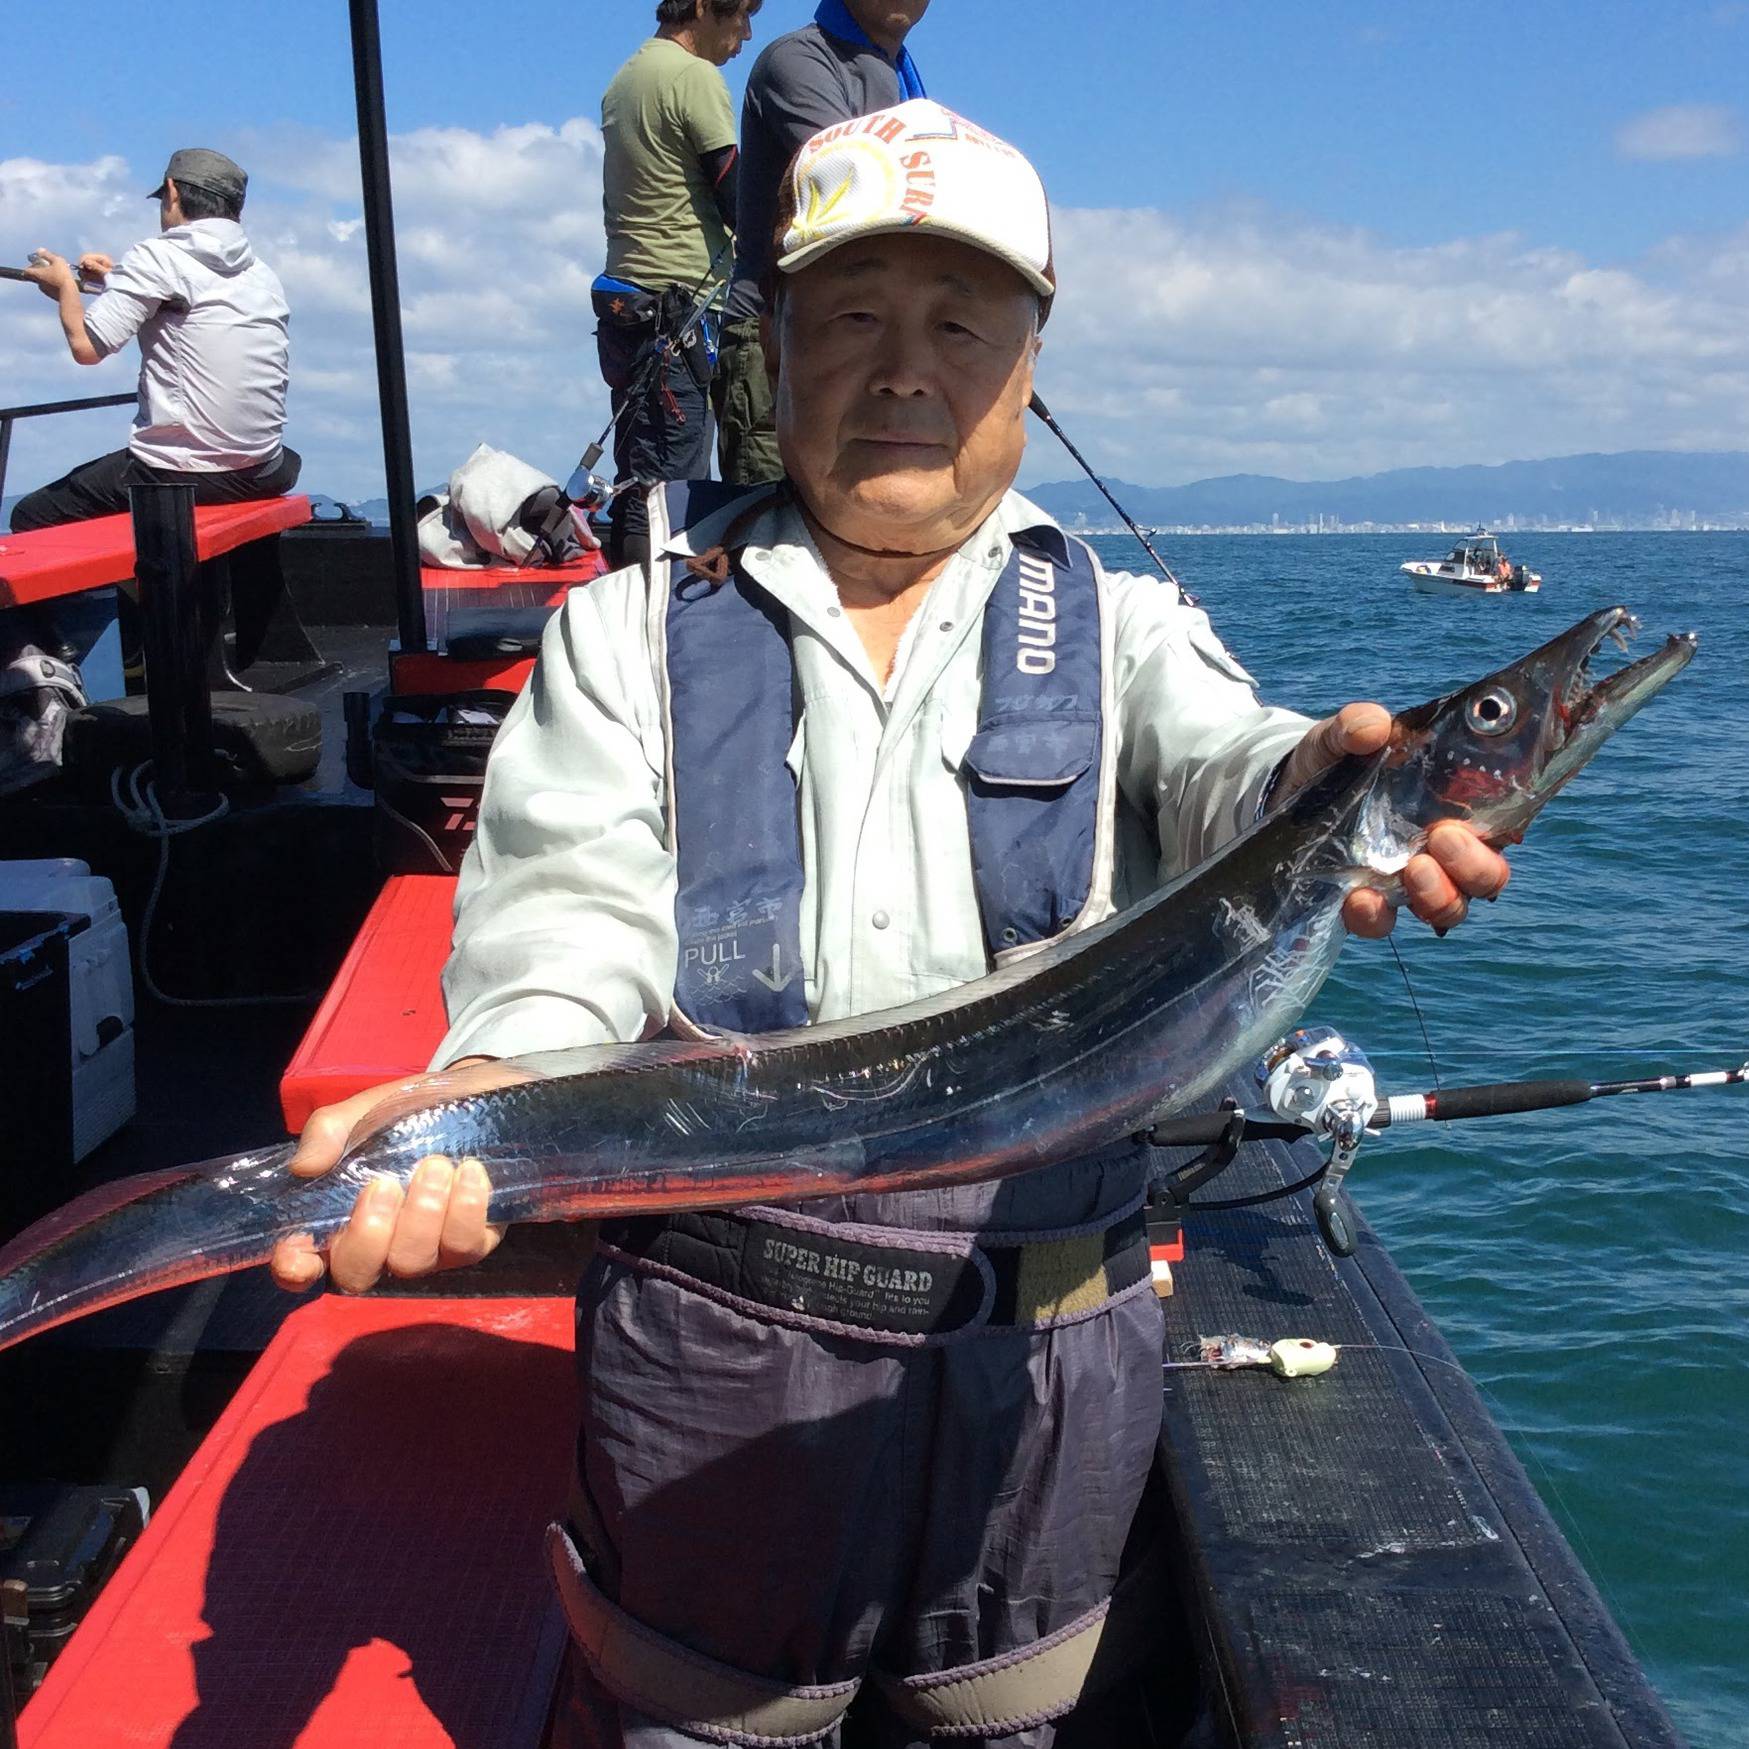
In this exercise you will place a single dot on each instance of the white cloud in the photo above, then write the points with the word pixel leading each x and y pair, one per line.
pixel 1241 343
pixel 1683 130
pixel 1234 341
pixel 499 235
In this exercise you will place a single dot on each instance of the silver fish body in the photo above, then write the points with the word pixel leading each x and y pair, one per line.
pixel 1063 1053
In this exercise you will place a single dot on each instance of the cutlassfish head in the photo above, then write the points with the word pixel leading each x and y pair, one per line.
pixel 1493 753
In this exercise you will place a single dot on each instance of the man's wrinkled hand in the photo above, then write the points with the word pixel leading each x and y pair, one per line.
pixel 94 266
pixel 437 1222
pixel 1438 882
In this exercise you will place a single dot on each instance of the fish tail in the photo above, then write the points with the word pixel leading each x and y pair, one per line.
pixel 137 1235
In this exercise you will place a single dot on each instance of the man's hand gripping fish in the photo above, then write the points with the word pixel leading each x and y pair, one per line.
pixel 1081 1044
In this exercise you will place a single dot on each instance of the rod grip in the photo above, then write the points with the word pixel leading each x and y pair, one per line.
pixel 1499 1098
pixel 1201 1129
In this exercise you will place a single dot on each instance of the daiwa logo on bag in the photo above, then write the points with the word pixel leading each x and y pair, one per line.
pixel 1037 653
pixel 464 811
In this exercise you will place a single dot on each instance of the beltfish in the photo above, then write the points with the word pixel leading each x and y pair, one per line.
pixel 1069 1050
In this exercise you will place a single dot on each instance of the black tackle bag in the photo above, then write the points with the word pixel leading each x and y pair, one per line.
pixel 427 764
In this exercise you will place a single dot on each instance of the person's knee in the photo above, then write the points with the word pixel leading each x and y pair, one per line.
pixel 34 510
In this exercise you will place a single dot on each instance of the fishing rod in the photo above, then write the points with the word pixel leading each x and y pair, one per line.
pixel 586 490
pixel 1044 413
pixel 1314 1083
pixel 24 278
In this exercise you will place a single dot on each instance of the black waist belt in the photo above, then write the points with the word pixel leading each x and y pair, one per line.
pixel 945 1284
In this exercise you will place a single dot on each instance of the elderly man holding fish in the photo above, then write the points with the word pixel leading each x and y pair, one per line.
pixel 851 741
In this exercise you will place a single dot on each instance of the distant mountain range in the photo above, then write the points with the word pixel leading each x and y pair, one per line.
pixel 1650 488
pixel 1639 488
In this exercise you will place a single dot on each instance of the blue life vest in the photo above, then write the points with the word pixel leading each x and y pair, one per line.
pixel 1032 771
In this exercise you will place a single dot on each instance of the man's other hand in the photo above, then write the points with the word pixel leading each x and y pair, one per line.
pixel 437 1222
pixel 93 266
pixel 52 272
pixel 1440 881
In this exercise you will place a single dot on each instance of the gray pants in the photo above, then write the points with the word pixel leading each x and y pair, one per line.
pixel 810 1509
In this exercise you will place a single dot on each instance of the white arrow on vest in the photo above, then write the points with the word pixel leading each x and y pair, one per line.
pixel 777 978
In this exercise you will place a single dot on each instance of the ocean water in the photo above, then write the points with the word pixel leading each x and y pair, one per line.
pixel 1589 1266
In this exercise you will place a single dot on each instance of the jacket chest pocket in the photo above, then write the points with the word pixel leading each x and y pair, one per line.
pixel 1042 755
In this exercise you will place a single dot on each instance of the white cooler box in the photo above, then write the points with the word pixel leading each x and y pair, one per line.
pixel 101 989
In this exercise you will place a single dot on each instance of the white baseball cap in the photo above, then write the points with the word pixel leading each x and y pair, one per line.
pixel 917 166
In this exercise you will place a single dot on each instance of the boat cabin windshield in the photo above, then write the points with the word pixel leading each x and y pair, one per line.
pixel 1478 555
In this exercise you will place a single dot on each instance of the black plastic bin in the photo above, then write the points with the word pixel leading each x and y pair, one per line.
pixel 63 1543
pixel 36 1140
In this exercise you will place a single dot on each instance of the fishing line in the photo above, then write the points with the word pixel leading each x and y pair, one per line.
pixel 1426 1039
pixel 1044 413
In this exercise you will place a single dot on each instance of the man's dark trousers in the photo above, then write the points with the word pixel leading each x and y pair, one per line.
pixel 100 488
pixel 660 400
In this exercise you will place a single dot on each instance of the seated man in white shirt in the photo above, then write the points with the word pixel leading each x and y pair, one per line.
pixel 211 319
pixel 760 755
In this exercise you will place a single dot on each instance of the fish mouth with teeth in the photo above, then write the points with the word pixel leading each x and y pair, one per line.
pixel 1494 753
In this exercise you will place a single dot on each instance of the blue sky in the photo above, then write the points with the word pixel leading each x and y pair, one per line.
pixel 1412 161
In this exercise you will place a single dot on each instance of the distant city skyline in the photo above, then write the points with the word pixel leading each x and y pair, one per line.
pixel 1269 263
pixel 1633 489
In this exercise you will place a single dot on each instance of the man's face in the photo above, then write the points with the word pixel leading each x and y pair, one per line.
pixel 887 20
pixel 719 40
pixel 902 367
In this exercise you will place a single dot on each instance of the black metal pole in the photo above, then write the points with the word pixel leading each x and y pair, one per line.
pixel 385 304
pixel 171 614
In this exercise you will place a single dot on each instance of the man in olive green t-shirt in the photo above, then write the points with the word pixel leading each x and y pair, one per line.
pixel 668 199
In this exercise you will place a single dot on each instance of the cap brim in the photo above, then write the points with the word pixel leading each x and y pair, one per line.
pixel 157 193
pixel 809 252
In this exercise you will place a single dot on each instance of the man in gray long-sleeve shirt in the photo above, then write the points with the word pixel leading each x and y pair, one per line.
pixel 850 61
pixel 803 1482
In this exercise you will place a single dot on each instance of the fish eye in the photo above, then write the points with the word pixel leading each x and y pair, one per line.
pixel 1492 712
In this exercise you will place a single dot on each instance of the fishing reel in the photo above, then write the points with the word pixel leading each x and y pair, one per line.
pixel 1315 1083
pixel 588 492
pixel 585 494
pixel 1311 1083
pixel 1316 1078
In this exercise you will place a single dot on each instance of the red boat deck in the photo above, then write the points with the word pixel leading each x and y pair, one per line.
pixel 383 1014
pixel 352 1560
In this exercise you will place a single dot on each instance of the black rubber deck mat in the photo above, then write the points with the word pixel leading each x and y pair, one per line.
pixel 1367 1564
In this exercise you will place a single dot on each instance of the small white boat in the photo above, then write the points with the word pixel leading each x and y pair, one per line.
pixel 1475 566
